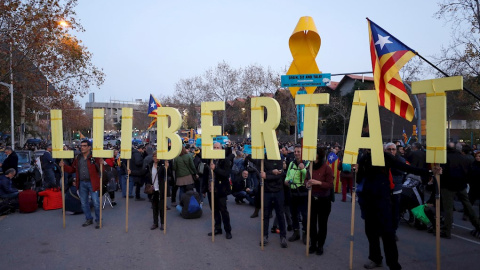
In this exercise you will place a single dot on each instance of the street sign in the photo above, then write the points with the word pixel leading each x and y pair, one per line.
pixel 305 80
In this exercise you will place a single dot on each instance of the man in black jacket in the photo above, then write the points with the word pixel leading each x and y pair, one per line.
pixel 454 183
pixel 11 161
pixel 221 169
pixel 137 171
pixel 273 197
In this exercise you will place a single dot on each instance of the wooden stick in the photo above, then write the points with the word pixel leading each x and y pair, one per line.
pixel 437 219
pixel 212 189
pixel 165 201
pixel 128 195
pixel 63 194
pixel 352 224
pixel 101 189
pixel 309 210
pixel 262 190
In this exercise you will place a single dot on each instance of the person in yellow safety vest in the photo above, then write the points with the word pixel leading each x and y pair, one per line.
pixel 295 180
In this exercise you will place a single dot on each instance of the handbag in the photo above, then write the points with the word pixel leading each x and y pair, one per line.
pixel 149 189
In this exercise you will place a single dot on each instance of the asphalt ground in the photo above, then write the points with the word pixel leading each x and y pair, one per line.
pixel 39 241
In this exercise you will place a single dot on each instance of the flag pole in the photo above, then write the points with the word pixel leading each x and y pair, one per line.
pixel 446 75
pixel 128 195
pixel 165 200
pixel 63 194
pixel 437 217
pixel 352 224
pixel 262 192
pixel 101 189
pixel 212 189
pixel 309 210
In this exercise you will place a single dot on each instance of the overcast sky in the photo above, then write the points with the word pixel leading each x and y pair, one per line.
pixel 147 46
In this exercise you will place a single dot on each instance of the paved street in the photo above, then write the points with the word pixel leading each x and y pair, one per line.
pixel 38 241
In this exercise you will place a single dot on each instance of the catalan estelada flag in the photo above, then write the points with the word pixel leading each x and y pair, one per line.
pixel 389 55
pixel 333 161
pixel 153 104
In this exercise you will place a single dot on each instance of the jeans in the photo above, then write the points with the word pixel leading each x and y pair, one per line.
pixel 85 190
pixel 243 195
pixel 123 184
pixel 49 178
pixel 274 200
pixel 299 206
pixel 10 195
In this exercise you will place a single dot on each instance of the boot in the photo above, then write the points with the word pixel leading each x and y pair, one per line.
pixel 255 214
pixel 295 236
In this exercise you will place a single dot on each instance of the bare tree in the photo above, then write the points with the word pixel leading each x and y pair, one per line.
pixel 256 79
pixel 223 84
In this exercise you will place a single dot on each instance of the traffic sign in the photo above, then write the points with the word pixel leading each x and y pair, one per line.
pixel 305 80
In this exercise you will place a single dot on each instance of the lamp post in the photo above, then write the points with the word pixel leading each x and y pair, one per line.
pixel 10 87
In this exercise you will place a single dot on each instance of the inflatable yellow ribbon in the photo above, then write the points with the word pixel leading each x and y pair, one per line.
pixel 304 45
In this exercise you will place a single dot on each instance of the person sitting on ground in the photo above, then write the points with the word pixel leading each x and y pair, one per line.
pixel 6 189
pixel 242 188
pixel 190 207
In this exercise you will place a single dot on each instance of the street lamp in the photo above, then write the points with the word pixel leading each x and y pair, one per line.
pixel 10 87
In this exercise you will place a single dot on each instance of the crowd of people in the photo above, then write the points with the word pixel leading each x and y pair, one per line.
pixel 286 184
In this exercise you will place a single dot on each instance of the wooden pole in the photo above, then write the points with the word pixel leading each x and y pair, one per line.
pixel 262 191
pixel 165 200
pixel 212 189
pixel 128 195
pixel 63 194
pixel 352 224
pixel 101 190
pixel 437 219
pixel 309 210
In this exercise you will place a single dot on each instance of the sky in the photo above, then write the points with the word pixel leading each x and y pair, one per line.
pixel 145 47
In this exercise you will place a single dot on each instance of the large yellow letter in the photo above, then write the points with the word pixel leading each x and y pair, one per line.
pixel 165 132
pixel 437 113
pixel 98 128
pixel 310 132
pixel 263 132
pixel 127 123
pixel 209 130
pixel 57 136
pixel 355 141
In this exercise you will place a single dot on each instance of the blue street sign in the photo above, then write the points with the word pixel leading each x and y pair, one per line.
pixel 305 80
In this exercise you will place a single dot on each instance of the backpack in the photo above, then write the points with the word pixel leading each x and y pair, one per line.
pixel 193 205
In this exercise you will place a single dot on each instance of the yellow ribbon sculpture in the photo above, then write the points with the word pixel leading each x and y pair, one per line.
pixel 304 45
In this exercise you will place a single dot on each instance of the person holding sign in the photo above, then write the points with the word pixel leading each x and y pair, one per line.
pixel 295 179
pixel 321 205
pixel 273 197
pixel 221 169
pixel 87 169
pixel 156 176
pixel 375 199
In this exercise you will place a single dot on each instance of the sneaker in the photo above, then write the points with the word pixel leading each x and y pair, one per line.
pixel 88 222
pixel 265 241
pixel 372 264
pixel 283 242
